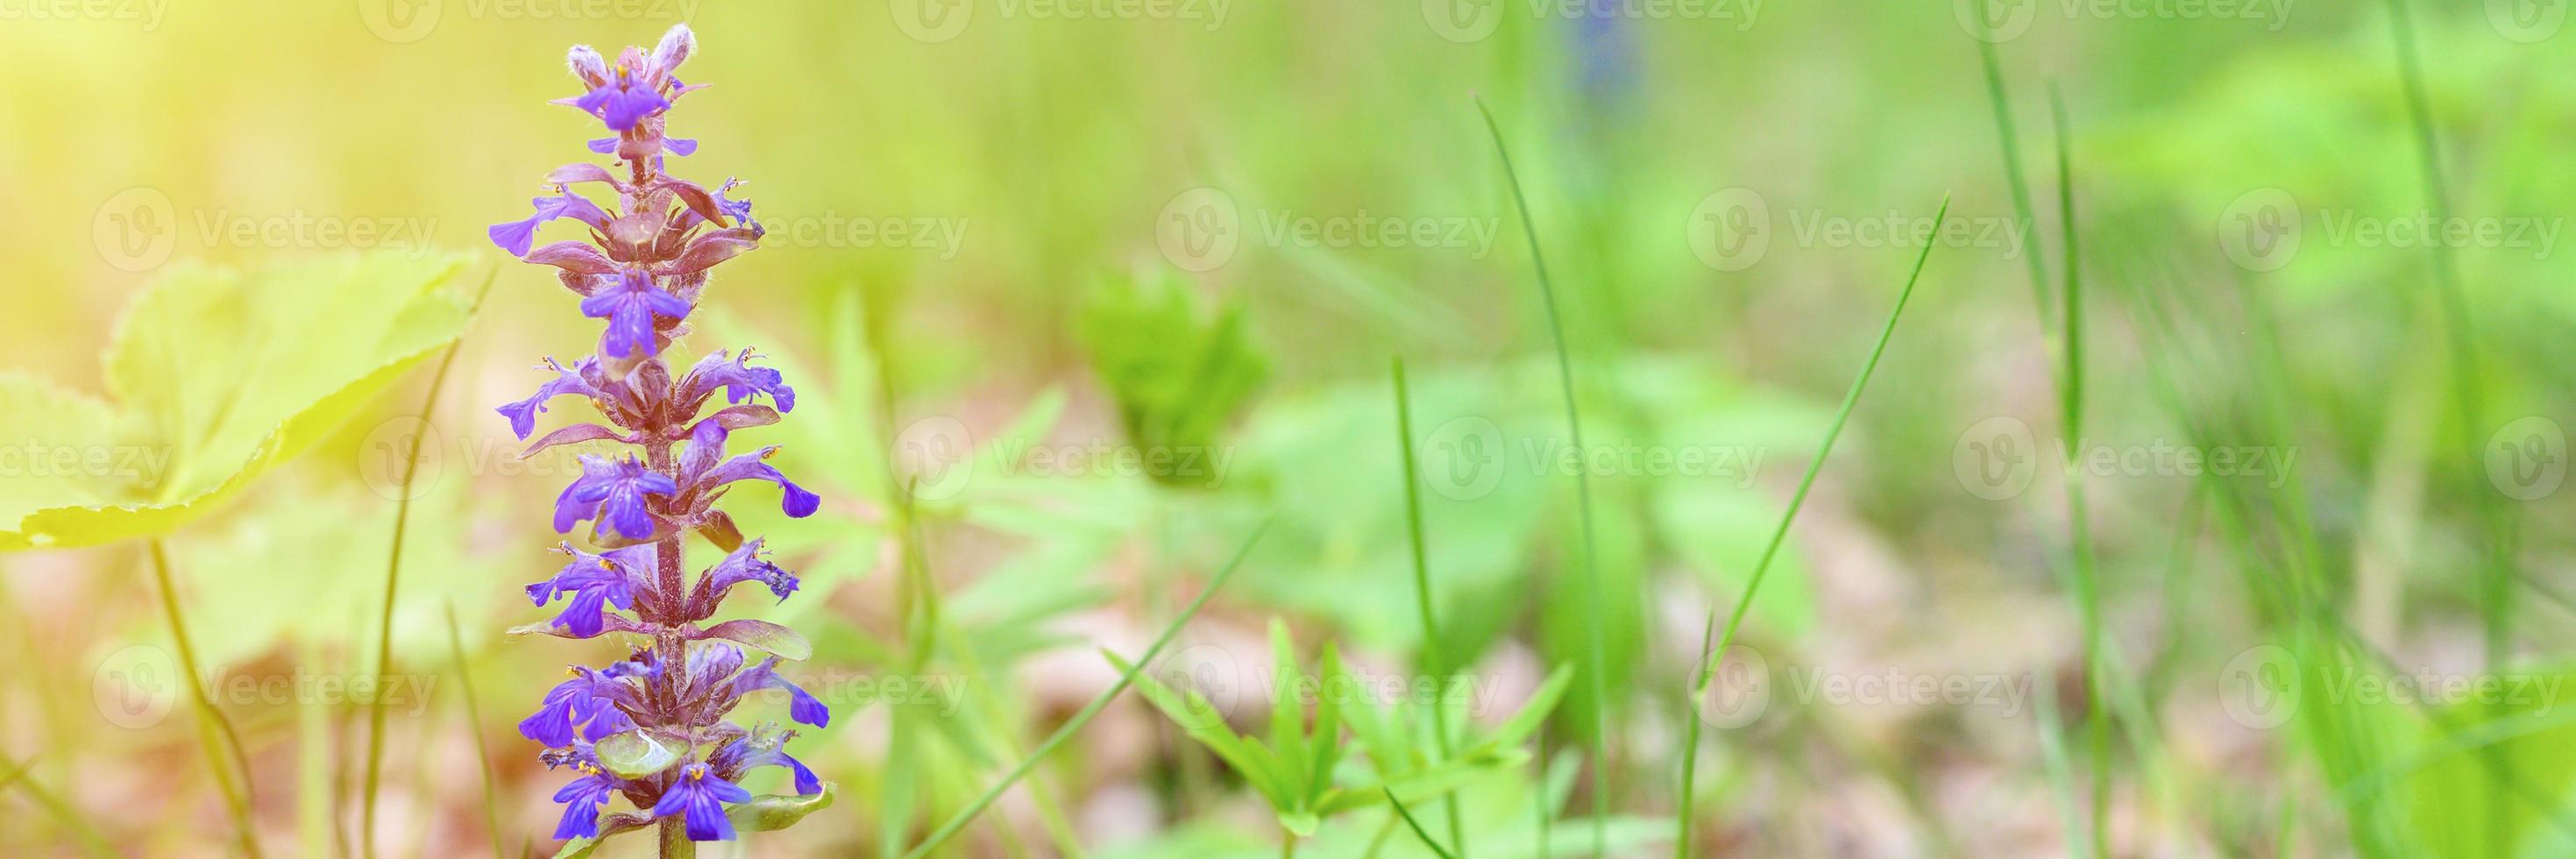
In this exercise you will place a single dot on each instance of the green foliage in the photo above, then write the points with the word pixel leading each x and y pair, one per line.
pixel 1177 370
pixel 217 376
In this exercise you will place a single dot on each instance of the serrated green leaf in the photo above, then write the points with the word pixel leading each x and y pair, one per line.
pixel 770 812
pixel 769 637
pixel 634 754
pixel 217 376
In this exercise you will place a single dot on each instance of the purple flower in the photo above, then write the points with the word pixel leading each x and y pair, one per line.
pixel 583 798
pixel 630 305
pixel 614 492
pixel 801 705
pixel 567 380
pixel 752 751
pixel 702 474
pixel 622 100
pixel 595 582
pixel 700 796
pixel 589 701
pixel 516 236
pixel 738 379
pixel 746 565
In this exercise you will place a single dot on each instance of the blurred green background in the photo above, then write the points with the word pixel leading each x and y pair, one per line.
pixel 1012 243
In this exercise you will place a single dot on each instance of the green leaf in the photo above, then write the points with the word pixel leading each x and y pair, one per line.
pixel 769 812
pixel 1178 371
pixel 217 376
pixel 761 634
pixel 634 754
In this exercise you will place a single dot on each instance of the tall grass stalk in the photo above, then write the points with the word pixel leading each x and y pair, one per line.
pixel 474 726
pixel 393 577
pixel 1434 661
pixel 1592 626
pixel 2079 538
pixel 1418 832
pixel 214 730
pixel 1713 644
pixel 1084 716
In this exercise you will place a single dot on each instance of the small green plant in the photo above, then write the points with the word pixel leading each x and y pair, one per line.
pixel 1298 767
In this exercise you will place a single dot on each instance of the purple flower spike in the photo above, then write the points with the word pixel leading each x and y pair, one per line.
pixel 642 268
pixel 700 796
pixel 614 492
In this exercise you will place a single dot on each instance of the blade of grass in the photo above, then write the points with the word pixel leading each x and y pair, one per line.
pixel 20 774
pixel 2496 585
pixel 474 725
pixel 1416 825
pixel 393 576
pixel 2012 164
pixel 1434 662
pixel 1084 716
pixel 2070 388
pixel 1582 500
pixel 1712 644
pixel 211 722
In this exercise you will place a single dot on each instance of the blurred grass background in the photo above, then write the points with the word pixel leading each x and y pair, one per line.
pixel 1055 152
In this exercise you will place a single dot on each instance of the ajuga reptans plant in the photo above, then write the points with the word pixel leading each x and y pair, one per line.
pixel 651 726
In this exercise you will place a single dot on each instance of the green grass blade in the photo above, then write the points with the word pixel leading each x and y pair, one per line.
pixel 474 725
pixel 2012 163
pixel 1582 500
pixel 2070 389
pixel 1710 646
pixel 20 774
pixel 1083 717
pixel 213 727
pixel 393 576
pixel 1434 662
pixel 1415 825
